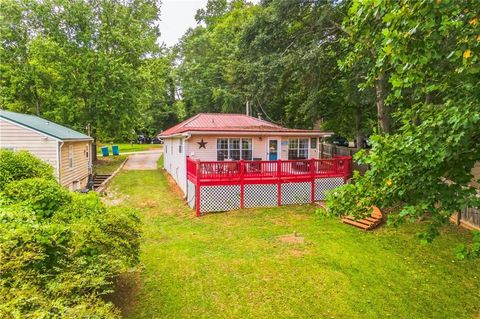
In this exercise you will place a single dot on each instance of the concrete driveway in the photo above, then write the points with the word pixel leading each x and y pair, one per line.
pixel 143 160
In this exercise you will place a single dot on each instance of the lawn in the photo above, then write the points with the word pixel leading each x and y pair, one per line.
pixel 108 165
pixel 247 264
pixel 127 147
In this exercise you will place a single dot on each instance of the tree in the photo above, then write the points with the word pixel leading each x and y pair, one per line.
pixel 424 168
pixel 207 73
pixel 77 63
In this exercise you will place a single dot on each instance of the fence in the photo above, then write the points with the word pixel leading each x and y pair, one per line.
pixel 221 186
pixel 469 218
pixel 331 150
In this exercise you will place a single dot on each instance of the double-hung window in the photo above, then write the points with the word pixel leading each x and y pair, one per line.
pixel 298 148
pixel 70 156
pixel 234 149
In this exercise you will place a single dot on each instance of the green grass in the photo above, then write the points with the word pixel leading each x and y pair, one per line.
pixel 233 265
pixel 126 147
pixel 108 165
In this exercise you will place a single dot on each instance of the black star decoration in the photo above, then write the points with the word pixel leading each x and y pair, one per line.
pixel 202 144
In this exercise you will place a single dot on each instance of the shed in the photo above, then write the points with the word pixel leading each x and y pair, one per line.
pixel 68 151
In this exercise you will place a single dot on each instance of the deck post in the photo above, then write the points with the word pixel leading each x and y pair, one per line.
pixel 312 176
pixel 242 184
pixel 279 182
pixel 197 188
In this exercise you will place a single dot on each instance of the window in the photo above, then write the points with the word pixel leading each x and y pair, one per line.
pixel 70 156
pixel 313 143
pixel 298 148
pixel 8 148
pixel 180 145
pixel 234 148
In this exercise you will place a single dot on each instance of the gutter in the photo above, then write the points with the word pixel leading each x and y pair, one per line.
pixel 249 133
pixel 189 135
pixel 59 156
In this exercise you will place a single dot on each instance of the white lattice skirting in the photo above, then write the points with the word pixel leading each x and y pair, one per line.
pixel 221 198
pixel 322 185
pixel 296 193
pixel 260 195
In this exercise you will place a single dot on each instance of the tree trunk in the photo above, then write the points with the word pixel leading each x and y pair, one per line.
pixel 383 113
pixel 359 137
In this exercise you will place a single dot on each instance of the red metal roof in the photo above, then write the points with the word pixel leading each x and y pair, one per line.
pixel 219 122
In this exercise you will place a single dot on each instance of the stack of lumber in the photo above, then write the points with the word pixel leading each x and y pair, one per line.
pixel 368 223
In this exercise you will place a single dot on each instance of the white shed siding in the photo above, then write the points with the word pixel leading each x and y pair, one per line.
pixel 21 138
pixel 174 161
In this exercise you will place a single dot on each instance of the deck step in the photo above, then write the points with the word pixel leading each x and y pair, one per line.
pixel 368 223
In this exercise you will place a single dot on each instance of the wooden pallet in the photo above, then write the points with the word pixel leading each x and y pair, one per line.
pixel 368 223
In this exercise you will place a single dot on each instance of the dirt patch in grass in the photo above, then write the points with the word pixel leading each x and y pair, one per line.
pixel 111 198
pixel 297 252
pixel 126 287
pixel 148 204
pixel 173 185
pixel 292 239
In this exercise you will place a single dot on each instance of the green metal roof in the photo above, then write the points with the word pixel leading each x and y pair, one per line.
pixel 43 126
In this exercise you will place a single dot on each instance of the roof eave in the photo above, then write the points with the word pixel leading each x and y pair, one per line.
pixel 244 132
pixel 45 133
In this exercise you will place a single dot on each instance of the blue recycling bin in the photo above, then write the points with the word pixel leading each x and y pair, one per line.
pixel 115 150
pixel 105 151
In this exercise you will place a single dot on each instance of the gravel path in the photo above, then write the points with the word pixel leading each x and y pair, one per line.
pixel 143 161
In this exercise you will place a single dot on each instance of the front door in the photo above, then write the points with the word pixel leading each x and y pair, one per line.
pixel 272 150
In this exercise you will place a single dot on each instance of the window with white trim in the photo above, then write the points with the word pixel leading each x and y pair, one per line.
pixel 298 148
pixel 234 149
pixel 180 146
pixel 70 156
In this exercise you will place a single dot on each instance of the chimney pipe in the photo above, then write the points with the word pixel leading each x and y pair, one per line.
pixel 259 115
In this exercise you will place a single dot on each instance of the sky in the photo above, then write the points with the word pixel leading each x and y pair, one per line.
pixel 176 17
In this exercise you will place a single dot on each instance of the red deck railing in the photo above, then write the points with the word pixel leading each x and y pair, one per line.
pixel 214 172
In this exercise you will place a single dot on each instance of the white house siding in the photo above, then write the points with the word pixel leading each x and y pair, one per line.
pixel 209 153
pixel 174 162
pixel 21 138
pixel 75 177
pixel 259 145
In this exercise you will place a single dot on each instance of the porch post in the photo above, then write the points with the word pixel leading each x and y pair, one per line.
pixel 279 182
pixel 242 184
pixel 312 176
pixel 197 188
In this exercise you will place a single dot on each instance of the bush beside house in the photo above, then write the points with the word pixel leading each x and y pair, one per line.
pixel 59 250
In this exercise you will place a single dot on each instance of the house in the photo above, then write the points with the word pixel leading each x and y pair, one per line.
pixel 68 151
pixel 229 161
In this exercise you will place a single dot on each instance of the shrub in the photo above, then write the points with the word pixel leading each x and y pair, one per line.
pixel 61 266
pixel 20 165
pixel 42 195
